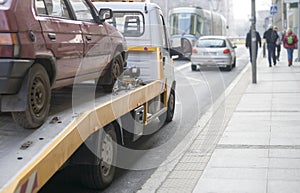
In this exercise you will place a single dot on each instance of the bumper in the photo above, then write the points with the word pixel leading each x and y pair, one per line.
pixel 12 72
pixel 213 62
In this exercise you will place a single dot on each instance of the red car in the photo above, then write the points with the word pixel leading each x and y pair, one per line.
pixel 47 44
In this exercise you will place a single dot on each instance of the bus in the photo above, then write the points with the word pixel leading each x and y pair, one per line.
pixel 193 22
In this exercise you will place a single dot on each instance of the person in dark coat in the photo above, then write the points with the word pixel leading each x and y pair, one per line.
pixel 290 46
pixel 271 36
pixel 248 43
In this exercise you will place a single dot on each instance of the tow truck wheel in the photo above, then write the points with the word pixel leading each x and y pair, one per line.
pixel 116 69
pixel 101 175
pixel 38 100
pixel 171 106
pixel 168 116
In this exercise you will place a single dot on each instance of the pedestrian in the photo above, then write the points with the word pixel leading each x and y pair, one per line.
pixel 289 42
pixel 271 36
pixel 278 43
pixel 248 43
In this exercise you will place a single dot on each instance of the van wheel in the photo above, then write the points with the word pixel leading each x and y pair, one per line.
pixel 193 67
pixel 38 100
pixel 116 69
pixel 101 175
pixel 234 62
pixel 227 68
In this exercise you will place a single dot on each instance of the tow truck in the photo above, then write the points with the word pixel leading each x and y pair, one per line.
pixel 86 126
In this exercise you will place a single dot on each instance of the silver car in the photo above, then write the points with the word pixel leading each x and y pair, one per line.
pixel 215 51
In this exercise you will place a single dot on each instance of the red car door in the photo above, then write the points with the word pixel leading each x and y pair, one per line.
pixel 97 42
pixel 63 38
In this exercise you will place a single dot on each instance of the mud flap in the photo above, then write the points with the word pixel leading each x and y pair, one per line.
pixel 17 102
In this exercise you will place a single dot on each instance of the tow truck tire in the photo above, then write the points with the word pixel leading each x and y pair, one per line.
pixel 171 106
pixel 38 100
pixel 100 176
pixel 116 69
pixel 168 116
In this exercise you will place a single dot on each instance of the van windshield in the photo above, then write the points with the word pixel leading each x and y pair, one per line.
pixel 130 24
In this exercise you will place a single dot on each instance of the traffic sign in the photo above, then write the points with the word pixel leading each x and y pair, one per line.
pixel 273 9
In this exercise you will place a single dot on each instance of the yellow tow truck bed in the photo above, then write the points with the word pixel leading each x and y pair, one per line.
pixel 30 157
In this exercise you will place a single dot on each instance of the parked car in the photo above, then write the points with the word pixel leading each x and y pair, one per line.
pixel 47 44
pixel 215 51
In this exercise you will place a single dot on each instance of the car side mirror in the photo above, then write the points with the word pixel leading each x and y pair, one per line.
pixel 105 13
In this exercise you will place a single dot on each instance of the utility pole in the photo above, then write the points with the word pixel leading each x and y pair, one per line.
pixel 214 7
pixel 253 42
pixel 273 18
pixel 298 59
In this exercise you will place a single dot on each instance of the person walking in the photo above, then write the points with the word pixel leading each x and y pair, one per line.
pixel 289 42
pixel 248 43
pixel 278 43
pixel 271 36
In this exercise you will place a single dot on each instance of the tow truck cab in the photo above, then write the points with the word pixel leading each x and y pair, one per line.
pixel 144 28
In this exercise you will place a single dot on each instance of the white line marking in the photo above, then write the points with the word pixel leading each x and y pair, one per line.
pixel 179 68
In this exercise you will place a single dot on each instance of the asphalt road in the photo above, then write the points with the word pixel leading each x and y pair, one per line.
pixel 196 91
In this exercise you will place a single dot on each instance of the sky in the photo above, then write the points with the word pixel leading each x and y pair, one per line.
pixel 242 8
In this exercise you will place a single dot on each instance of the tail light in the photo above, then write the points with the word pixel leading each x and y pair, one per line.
pixel 227 51
pixel 9 45
pixel 195 51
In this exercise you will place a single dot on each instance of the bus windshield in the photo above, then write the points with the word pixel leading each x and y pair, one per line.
pixel 183 23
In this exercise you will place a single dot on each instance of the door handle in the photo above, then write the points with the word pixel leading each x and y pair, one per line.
pixel 52 36
pixel 88 37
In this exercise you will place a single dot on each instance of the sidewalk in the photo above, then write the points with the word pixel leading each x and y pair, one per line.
pixel 257 150
pixel 260 148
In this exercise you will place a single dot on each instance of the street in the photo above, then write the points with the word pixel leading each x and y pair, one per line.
pixel 149 96
pixel 196 91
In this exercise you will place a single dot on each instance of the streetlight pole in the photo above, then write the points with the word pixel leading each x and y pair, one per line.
pixel 253 42
pixel 273 15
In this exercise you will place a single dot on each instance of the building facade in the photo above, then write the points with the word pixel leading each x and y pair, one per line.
pixel 287 15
